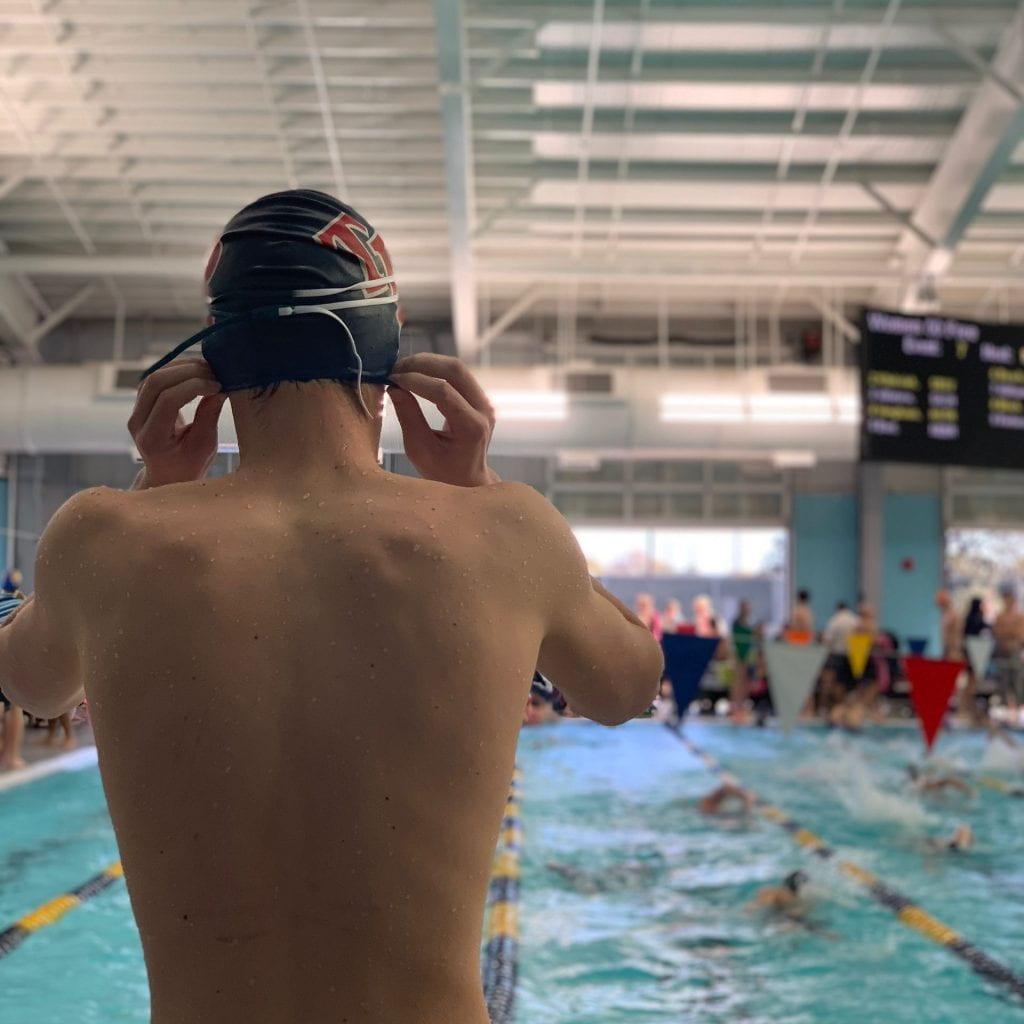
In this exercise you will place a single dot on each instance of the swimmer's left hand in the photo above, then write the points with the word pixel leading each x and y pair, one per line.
pixel 456 454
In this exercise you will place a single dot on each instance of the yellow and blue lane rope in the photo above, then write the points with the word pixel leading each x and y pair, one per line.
pixel 53 910
pixel 501 954
pixel 500 957
pixel 905 909
pixel 999 785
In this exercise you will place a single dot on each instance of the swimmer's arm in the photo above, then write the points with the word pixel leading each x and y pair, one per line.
pixel 595 650
pixel 40 664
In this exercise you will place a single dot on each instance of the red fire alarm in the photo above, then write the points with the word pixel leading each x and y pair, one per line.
pixel 908 565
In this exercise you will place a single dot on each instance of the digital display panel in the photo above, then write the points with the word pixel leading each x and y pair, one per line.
pixel 940 390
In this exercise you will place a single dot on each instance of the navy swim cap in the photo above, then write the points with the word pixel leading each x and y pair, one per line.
pixel 300 287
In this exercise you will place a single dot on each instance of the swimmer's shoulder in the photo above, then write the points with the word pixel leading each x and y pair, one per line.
pixel 533 530
pixel 80 537
pixel 88 515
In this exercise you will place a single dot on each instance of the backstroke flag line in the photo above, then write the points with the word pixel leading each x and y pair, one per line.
pixel 686 660
pixel 931 685
pixel 979 653
pixel 793 670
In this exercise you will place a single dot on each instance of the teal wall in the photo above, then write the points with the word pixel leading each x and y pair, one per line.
pixel 912 529
pixel 825 541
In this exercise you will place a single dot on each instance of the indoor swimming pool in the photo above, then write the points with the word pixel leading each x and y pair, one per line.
pixel 634 906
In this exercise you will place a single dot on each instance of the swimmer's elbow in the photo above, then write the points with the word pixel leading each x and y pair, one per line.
pixel 632 693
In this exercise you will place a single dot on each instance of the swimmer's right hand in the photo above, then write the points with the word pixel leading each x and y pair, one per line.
pixel 174 451
pixel 456 454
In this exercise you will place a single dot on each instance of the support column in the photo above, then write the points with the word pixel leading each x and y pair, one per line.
pixel 871 518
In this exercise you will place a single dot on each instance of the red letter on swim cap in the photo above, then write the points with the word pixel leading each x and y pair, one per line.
pixel 353 236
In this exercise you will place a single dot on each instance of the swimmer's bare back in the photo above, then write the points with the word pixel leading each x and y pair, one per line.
pixel 307 681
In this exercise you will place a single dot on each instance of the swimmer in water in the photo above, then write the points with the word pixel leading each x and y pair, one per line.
pixel 787 902
pixel 783 899
pixel 540 705
pixel 960 841
pixel 928 784
pixel 277 809
pixel 728 795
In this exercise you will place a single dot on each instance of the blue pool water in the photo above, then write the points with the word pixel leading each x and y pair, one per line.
pixel 653 926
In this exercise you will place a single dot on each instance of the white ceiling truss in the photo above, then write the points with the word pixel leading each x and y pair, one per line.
pixel 626 172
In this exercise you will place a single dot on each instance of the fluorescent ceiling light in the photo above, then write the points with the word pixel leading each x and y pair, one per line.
pixel 530 405
pixel 702 409
pixel 579 461
pixel 760 408
pixel 794 460
pixel 847 408
pixel 790 408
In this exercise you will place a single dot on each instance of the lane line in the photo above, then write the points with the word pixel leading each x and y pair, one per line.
pixel 906 910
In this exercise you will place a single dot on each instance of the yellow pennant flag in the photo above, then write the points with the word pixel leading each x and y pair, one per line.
pixel 858 650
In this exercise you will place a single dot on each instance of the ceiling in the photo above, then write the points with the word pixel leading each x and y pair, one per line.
pixel 625 170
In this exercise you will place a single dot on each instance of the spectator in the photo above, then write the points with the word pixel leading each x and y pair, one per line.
pixel 837 677
pixel 839 627
pixel 704 617
pixel 12 582
pixel 1008 630
pixel 742 648
pixel 649 615
pixel 975 623
pixel 673 617
pixel 802 619
pixel 12 731
pixel 951 628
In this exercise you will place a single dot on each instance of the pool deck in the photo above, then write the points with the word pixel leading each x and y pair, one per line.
pixel 44 760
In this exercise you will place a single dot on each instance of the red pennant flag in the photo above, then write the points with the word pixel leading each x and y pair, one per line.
pixel 931 685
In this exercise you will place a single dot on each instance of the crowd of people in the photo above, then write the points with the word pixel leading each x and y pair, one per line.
pixel 844 697
pixel 13 719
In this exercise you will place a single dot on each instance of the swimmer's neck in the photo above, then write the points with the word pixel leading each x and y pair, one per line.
pixel 317 431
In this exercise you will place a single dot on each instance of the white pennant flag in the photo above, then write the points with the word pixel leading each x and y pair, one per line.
pixel 979 653
pixel 793 669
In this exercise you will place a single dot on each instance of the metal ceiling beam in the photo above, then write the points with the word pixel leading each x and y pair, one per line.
pixel 58 316
pixel 190 268
pixel 456 121
pixel 323 95
pixel 128 15
pixel 979 154
pixel 518 308
pixel 865 80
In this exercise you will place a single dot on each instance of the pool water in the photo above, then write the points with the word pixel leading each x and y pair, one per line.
pixel 634 905
pixel 670 937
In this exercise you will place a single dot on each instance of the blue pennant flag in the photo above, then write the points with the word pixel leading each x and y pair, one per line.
pixel 686 660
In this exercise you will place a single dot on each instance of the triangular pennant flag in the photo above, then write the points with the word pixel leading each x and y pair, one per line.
pixel 858 650
pixel 793 669
pixel 686 660
pixel 917 644
pixel 979 653
pixel 798 636
pixel 931 685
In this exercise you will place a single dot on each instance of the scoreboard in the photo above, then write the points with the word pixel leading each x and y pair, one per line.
pixel 939 390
